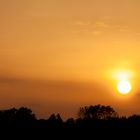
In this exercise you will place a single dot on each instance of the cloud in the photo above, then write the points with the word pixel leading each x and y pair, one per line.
pixel 83 23
pixel 89 27
pixel 10 80
pixel 100 24
pixel 96 32
pixel 99 27
pixel 95 24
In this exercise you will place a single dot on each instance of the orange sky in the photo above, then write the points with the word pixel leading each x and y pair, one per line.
pixel 44 43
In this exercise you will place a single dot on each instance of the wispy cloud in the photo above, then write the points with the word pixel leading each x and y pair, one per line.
pixel 83 23
pixel 94 28
pixel 99 27
pixel 100 24
pixel 96 32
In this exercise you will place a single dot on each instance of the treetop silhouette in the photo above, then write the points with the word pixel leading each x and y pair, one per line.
pixel 97 112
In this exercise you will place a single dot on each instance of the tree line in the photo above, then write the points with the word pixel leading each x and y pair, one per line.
pixel 94 120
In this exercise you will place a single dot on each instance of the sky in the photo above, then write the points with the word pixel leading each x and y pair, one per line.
pixel 58 55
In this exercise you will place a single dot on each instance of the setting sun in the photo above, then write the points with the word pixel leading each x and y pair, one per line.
pixel 124 87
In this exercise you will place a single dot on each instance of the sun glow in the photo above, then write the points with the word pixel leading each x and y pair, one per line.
pixel 123 81
pixel 123 75
pixel 124 87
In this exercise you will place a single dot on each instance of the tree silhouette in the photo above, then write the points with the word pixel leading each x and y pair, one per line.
pixel 97 112
pixel 25 114
pixel 134 117
pixel 52 117
pixel 94 121
pixel 70 122
pixel 8 115
pixel 59 119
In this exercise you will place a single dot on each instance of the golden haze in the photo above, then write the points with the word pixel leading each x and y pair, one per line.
pixel 78 41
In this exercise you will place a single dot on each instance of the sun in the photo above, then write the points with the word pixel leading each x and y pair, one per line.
pixel 124 87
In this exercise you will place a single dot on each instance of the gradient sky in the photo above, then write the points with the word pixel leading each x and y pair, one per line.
pixel 58 55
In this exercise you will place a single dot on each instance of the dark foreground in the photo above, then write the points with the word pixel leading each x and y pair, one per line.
pixel 22 124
